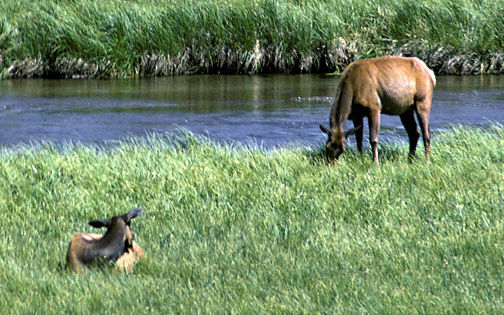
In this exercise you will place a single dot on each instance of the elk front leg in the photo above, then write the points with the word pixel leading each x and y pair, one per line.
pixel 359 132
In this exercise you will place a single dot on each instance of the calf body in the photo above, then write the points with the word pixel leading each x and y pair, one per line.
pixel 93 249
pixel 124 262
pixel 390 85
pixel 129 258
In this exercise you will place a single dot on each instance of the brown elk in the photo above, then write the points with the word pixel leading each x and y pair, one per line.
pixel 126 261
pixel 389 85
pixel 116 245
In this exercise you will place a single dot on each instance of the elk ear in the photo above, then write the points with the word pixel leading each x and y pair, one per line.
pixel 326 130
pixel 132 214
pixel 352 131
pixel 99 223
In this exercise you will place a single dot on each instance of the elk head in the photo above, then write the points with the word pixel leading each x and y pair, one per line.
pixel 335 144
pixel 119 226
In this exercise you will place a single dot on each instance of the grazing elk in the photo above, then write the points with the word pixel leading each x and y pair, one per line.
pixel 389 85
pixel 116 245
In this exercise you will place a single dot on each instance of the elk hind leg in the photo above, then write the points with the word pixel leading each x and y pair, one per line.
pixel 423 121
pixel 374 131
pixel 409 123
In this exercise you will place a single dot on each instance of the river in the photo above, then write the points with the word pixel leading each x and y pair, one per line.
pixel 269 111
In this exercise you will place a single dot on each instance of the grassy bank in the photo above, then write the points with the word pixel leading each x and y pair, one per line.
pixel 228 229
pixel 116 38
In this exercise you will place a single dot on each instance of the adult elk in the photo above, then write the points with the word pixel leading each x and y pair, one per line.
pixel 116 245
pixel 389 85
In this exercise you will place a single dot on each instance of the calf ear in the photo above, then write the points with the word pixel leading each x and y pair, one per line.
pixel 99 223
pixel 133 214
pixel 326 130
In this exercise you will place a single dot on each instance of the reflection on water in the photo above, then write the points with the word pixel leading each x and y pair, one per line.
pixel 269 110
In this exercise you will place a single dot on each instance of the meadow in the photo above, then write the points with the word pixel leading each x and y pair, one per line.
pixel 231 229
pixel 122 38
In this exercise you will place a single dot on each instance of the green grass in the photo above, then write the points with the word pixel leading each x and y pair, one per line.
pixel 233 230
pixel 136 37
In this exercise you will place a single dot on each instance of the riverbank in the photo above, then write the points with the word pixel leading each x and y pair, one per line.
pixel 85 39
pixel 234 230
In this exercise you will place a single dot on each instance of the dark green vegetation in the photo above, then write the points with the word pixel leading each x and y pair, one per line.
pixel 229 229
pixel 118 38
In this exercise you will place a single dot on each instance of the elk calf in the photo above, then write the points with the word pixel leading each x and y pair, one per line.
pixel 389 85
pixel 116 245
pixel 126 261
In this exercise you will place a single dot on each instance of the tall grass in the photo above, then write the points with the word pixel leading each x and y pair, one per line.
pixel 236 230
pixel 160 37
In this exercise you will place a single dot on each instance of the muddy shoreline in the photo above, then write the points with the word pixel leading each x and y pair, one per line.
pixel 222 60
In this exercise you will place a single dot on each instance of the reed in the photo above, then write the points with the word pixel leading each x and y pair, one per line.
pixel 84 38
pixel 228 229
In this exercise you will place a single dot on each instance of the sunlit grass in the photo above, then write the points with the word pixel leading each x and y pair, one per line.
pixel 231 229
pixel 160 37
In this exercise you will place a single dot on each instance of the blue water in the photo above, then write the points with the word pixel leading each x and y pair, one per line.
pixel 274 110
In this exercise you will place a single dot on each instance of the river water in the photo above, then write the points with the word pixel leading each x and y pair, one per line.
pixel 270 111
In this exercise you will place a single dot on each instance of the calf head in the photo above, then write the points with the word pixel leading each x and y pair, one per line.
pixel 119 226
